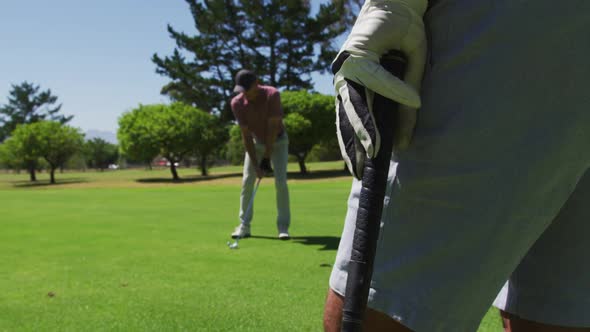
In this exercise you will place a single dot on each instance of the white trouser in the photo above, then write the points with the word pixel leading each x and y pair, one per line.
pixel 279 159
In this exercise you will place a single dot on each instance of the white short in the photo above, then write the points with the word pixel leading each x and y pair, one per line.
pixel 552 283
pixel 502 142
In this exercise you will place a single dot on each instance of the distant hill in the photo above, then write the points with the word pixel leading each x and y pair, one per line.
pixel 108 136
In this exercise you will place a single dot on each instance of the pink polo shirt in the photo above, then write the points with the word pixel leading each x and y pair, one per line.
pixel 255 115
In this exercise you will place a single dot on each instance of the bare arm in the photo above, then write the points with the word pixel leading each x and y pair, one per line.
pixel 274 125
pixel 250 149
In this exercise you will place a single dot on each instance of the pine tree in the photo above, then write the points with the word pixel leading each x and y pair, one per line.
pixel 279 39
pixel 349 10
pixel 27 104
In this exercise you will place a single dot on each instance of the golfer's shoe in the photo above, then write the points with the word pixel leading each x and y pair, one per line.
pixel 241 232
pixel 284 234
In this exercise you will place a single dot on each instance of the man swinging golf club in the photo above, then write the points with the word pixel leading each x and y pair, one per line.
pixel 257 109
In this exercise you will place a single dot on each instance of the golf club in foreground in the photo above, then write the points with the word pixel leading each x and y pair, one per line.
pixel 368 218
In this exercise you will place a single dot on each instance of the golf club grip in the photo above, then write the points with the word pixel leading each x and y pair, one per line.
pixel 368 218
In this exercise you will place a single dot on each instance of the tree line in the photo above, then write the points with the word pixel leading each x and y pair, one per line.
pixel 35 136
pixel 281 40
pixel 179 131
pixel 42 139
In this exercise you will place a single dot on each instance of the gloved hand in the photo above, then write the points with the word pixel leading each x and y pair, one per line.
pixel 381 26
pixel 265 166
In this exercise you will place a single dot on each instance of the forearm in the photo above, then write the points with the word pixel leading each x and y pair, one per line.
pixel 270 141
pixel 250 148
pixel 271 137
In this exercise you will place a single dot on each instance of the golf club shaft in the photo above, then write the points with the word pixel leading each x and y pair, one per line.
pixel 368 218
pixel 251 203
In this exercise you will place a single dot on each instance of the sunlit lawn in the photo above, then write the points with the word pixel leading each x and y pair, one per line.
pixel 140 177
pixel 131 251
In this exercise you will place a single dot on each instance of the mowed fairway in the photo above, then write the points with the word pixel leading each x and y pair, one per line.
pixel 130 251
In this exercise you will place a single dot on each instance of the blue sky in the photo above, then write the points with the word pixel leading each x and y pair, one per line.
pixel 94 55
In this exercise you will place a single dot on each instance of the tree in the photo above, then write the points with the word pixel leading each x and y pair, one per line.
pixel 100 153
pixel 50 140
pixel 211 137
pixel 136 138
pixel 275 38
pixel 23 149
pixel 57 142
pixel 309 120
pixel 234 149
pixel 78 161
pixel 27 104
pixel 349 10
pixel 172 131
pixel 8 159
pixel 4 157
pixel 301 140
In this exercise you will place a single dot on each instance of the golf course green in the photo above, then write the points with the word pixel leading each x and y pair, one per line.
pixel 130 250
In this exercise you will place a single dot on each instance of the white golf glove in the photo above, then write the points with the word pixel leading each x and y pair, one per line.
pixel 382 25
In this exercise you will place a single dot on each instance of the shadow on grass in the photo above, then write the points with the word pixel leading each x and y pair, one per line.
pixel 328 242
pixel 46 183
pixel 313 175
pixel 190 178
pixel 321 174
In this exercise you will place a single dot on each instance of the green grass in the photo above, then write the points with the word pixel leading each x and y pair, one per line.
pixel 123 255
pixel 157 177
